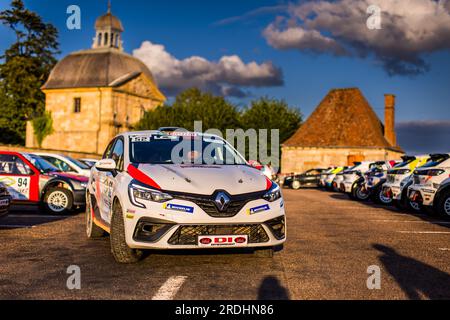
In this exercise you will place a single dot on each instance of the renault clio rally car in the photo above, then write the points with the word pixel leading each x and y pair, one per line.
pixel 5 200
pixel 309 178
pixel 330 177
pixel 431 185
pixel 66 163
pixel 399 179
pixel 353 176
pixel 147 193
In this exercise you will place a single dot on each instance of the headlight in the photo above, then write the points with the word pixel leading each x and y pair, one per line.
pixel 84 185
pixel 273 194
pixel 138 193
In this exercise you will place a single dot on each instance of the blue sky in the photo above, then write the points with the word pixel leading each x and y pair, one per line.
pixel 194 28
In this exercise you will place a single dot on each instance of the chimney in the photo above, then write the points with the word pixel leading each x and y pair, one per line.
pixel 389 119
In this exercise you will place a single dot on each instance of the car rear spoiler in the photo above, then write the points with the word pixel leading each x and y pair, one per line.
pixel 437 156
pixel 408 158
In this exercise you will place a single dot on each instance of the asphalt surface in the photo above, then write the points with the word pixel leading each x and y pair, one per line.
pixel 331 243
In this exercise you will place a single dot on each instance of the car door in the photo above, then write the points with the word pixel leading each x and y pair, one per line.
pixel 20 177
pixel 108 179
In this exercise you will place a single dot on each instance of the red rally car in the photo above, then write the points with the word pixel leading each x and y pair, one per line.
pixel 32 180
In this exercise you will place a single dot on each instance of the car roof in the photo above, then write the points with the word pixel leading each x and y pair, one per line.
pixel 157 132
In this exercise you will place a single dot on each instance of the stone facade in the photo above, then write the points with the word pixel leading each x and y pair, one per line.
pixel 104 113
pixel 300 159
pixel 95 94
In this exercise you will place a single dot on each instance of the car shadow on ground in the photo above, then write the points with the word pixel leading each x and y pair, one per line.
pixel 271 289
pixel 206 252
pixel 422 215
pixel 22 216
pixel 415 278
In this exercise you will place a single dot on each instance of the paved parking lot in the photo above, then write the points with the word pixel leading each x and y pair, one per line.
pixel 331 243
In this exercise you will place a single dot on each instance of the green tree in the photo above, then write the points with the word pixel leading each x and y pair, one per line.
pixel 266 113
pixel 43 127
pixel 26 66
pixel 193 105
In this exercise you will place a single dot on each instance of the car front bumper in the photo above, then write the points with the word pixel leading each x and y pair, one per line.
pixel 422 194
pixel 5 202
pixel 160 227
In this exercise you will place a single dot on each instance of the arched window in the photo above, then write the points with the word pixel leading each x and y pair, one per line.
pixel 111 42
pixel 106 39
pixel 99 39
pixel 117 41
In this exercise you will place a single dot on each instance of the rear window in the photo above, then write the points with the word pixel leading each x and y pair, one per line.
pixel 434 162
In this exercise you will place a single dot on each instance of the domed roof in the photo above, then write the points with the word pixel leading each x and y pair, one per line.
pixel 106 67
pixel 107 21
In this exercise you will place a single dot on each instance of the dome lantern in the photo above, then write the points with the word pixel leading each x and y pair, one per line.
pixel 108 31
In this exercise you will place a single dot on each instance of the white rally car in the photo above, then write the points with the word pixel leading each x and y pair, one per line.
pixel 399 178
pixel 181 190
pixel 431 185
pixel 352 176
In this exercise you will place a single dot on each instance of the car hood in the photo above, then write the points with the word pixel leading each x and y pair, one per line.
pixel 205 179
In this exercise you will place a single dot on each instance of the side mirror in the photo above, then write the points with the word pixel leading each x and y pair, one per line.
pixel 255 164
pixel 106 165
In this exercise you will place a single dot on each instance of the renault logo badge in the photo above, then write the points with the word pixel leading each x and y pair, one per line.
pixel 222 201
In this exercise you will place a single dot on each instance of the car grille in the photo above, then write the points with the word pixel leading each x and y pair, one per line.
pixel 187 234
pixel 391 178
pixel 207 204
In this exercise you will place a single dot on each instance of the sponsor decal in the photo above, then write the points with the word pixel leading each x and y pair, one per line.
pixel 254 210
pixel 130 216
pixel 4 202
pixel 221 241
pixel 18 187
pixel 281 204
pixel 178 207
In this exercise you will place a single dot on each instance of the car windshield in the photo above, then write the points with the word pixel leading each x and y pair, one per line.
pixel 174 149
pixel 42 165
pixel 404 163
pixel 435 161
pixel 78 163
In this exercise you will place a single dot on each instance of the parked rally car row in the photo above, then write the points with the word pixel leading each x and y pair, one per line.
pixel 54 182
pixel 415 183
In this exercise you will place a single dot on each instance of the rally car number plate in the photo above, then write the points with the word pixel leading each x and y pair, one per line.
pixel 222 241
pixel 4 202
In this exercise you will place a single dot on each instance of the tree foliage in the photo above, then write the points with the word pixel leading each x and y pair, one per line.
pixel 193 105
pixel 25 68
pixel 43 127
pixel 218 113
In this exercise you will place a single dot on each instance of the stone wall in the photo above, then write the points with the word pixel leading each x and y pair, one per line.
pixel 295 159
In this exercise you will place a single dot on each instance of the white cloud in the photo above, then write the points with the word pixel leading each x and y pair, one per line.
pixel 410 29
pixel 228 76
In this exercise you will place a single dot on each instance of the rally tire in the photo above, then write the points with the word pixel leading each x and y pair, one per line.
pixel 92 230
pixel 443 204
pixel 120 250
pixel 359 195
pixel 381 199
pixel 264 252
pixel 296 185
pixel 58 201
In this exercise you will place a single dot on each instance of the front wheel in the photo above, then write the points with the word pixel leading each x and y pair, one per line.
pixel 92 230
pixel 119 248
pixel 296 185
pixel 58 201
pixel 443 205
pixel 382 198
pixel 361 193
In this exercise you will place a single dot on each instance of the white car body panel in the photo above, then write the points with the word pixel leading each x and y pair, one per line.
pixel 74 166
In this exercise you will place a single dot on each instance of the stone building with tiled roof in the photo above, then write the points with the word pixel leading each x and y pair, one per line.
pixel 96 93
pixel 341 130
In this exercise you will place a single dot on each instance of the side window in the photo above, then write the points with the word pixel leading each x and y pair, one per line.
pixel 12 164
pixel 106 154
pixel 117 154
